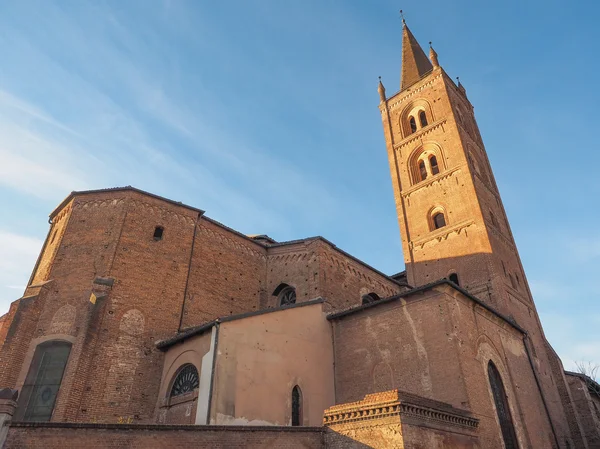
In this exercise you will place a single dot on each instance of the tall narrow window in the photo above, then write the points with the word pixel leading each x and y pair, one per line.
pixel 454 278
pixel 439 221
pixel 423 118
pixel 296 406
pixel 42 383
pixel 422 170
pixel 413 124
pixel 502 409
pixel 435 169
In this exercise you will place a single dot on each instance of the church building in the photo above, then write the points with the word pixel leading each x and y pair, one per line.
pixel 147 324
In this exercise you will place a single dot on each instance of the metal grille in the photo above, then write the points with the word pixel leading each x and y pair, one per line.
pixel 504 417
pixel 187 380
pixel 287 296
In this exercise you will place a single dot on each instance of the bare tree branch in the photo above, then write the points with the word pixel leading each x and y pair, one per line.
pixel 591 371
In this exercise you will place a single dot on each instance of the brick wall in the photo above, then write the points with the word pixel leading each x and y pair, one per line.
pixel 587 412
pixel 437 344
pixel 73 436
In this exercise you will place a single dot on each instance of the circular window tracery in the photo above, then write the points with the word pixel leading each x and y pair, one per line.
pixel 187 380
pixel 287 296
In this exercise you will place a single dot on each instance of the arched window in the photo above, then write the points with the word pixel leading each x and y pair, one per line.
pixel 422 170
pixel 38 395
pixel 413 124
pixel 423 118
pixel 439 221
pixel 296 406
pixel 286 294
pixel 502 409
pixel 369 298
pixel 435 169
pixel 186 380
pixel 454 278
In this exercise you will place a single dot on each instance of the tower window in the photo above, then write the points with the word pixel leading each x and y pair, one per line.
pixel 439 221
pixel 413 124
pixel 158 233
pixel 422 170
pixel 502 409
pixel 369 298
pixel 186 381
pixel 296 406
pixel 423 118
pixel 454 278
pixel 435 169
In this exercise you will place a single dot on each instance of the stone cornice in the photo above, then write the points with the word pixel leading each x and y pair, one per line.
pixel 392 404
pixel 430 181
pixel 420 133
pixel 442 233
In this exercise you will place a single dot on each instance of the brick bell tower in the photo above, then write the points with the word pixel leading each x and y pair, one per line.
pixel 452 221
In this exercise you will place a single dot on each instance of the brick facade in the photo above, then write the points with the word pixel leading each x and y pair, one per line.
pixel 122 269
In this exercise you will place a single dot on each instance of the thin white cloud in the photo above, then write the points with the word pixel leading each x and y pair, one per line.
pixel 18 254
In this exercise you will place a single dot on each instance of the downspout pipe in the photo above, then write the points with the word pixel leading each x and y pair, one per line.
pixel 537 381
pixel 187 279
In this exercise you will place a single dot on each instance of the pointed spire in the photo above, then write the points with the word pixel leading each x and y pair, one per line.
pixel 381 91
pixel 433 56
pixel 414 61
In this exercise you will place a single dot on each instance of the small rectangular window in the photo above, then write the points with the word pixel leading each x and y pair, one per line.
pixel 158 233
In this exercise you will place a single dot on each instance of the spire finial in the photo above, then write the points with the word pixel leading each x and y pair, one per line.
pixel 433 56
pixel 381 91
pixel 402 15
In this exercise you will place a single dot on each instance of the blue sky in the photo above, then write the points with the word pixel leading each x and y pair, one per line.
pixel 264 114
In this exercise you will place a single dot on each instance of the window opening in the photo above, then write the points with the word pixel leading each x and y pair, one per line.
pixel 423 118
pixel 413 124
pixel 287 296
pixel 435 169
pixel 369 298
pixel 454 278
pixel 439 221
pixel 502 408
pixel 422 170
pixel 158 233
pixel 43 380
pixel 187 380
pixel 296 406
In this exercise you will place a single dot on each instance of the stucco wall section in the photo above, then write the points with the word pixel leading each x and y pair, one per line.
pixel 261 358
